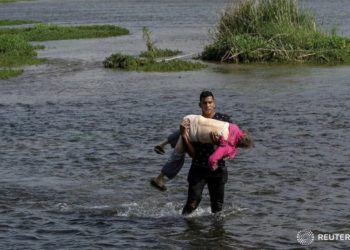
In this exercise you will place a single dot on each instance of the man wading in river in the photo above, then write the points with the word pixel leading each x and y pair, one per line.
pixel 200 174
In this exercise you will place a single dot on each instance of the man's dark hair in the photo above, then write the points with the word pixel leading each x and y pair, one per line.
pixel 205 94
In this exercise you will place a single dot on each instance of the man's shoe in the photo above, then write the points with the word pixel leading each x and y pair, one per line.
pixel 159 150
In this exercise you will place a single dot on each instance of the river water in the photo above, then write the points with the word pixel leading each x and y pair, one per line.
pixel 77 139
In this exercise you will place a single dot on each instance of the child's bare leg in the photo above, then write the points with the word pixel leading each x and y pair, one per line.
pixel 158 182
pixel 160 179
pixel 175 163
pixel 163 143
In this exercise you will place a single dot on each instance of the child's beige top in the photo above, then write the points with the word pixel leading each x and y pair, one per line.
pixel 200 128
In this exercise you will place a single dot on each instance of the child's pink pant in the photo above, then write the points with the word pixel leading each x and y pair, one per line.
pixel 226 148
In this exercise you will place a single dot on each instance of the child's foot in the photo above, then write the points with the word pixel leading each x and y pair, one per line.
pixel 155 182
pixel 159 149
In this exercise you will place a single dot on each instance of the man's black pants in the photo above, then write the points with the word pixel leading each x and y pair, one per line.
pixel 216 186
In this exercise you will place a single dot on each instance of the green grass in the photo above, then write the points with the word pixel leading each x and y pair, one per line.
pixel 8 73
pixel 127 62
pixel 15 51
pixel 158 53
pixel 147 61
pixel 16 22
pixel 12 1
pixel 273 31
pixel 47 32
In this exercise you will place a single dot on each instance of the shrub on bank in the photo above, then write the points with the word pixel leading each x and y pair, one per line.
pixel 127 62
pixel 121 61
pixel 273 31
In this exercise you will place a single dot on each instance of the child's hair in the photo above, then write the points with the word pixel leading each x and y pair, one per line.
pixel 246 141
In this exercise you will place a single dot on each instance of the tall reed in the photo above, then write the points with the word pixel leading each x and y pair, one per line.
pixel 152 51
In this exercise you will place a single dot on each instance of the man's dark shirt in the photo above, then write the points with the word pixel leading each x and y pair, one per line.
pixel 203 151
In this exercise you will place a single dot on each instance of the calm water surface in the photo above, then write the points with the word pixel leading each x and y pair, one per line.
pixel 76 139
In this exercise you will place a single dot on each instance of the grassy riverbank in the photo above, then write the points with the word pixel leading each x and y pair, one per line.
pixel 12 1
pixel 274 31
pixel 47 32
pixel 16 22
pixel 8 73
pixel 7 1
pixel 16 50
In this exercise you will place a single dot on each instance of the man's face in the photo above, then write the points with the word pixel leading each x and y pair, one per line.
pixel 207 105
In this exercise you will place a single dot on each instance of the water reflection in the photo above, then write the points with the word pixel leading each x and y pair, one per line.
pixel 207 233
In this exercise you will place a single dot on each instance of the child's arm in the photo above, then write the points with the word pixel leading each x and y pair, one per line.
pixel 184 130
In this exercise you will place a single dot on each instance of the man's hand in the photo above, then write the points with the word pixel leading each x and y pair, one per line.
pixel 214 137
pixel 185 134
pixel 185 127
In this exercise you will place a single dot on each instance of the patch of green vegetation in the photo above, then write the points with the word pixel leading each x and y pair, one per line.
pixel 127 62
pixel 157 53
pixel 274 31
pixel 16 51
pixel 147 60
pixel 47 32
pixel 16 22
pixel 8 73
pixel 152 51
pixel 12 1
